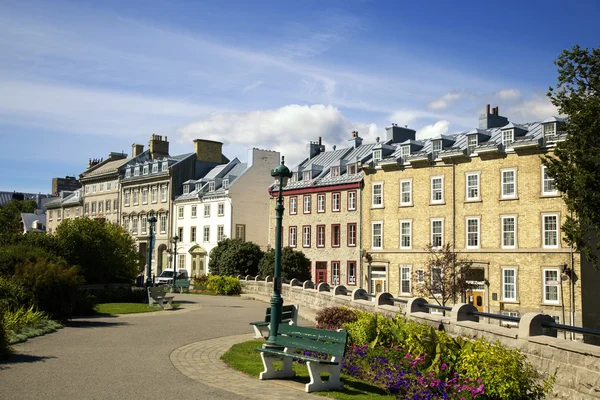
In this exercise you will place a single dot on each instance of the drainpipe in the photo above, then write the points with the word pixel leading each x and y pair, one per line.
pixel 360 250
pixel 454 233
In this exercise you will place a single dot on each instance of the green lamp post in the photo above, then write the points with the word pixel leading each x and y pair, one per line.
pixel 151 222
pixel 283 174
pixel 175 240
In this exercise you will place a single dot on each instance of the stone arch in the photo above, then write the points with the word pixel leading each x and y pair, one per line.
pixel 162 261
pixel 198 255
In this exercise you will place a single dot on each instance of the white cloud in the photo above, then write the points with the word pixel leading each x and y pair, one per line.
pixel 429 131
pixel 252 86
pixel 536 108
pixel 443 102
pixel 507 95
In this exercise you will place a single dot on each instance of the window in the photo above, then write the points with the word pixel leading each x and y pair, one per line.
pixel 86 209
pixel 437 189
pixel 336 201
pixel 206 210
pixel 351 272
pixel 377 193
pixel 180 212
pixel 144 222
pixel 436 281
pixel 93 207
pixel 352 169
pixel 404 151
pixel 128 172
pixel 377 155
pixel 101 187
pixel 221 209
pixel 115 205
pixel 508 137
pixel 405 234
pixel 292 236
pixel 59 215
pixel 509 314
pixel 94 188
pixel 550 230
pixel 351 229
pixel 206 234
pixel 509 232
pixel 436 147
pixel 194 211
pixel 181 261
pixel 163 193
pixel 163 223
pixel 306 175
pixel 472 233
pixel 126 224
pixel 509 284
pixel 320 203
pixel 186 189
pixel 335 273
pixel 320 235
pixel 108 186
pixel 240 232
pixel 406 192
pixel 509 183
pixel 306 236
pixel 50 214
pixel 225 184
pixel 471 143
pixel 135 197
pixel 472 180
pixel 307 204
pixel 376 235
pixel 336 233
pixel 549 130
pixel 67 213
pixel 87 189
pixel 145 196
pixel 551 286
pixel 180 234
pixel 193 234
pixel 437 233
pixel 405 286
pixel 220 233
pixel 165 166
pixel 548 184
pixel 77 212
pixel 211 186
pixel 293 205
pixel 352 200
pixel 421 276
pixel 107 206
pixel 335 171
pixel 136 171
pixel 155 167
pixel 154 194
pixel 134 225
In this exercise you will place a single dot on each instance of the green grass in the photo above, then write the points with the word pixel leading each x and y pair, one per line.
pixel 37 329
pixel 124 308
pixel 242 357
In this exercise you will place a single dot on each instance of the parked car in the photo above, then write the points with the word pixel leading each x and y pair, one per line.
pixel 166 277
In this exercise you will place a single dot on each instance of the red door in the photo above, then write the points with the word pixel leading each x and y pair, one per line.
pixel 321 267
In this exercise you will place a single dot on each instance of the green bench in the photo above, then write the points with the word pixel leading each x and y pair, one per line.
pixel 292 337
pixel 289 315
pixel 183 285
pixel 156 295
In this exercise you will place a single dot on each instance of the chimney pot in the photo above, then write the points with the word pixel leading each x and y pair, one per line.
pixel 319 140
pixel 487 109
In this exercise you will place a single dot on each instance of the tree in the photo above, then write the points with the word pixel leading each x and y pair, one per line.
pixel 575 164
pixel 10 215
pixel 294 264
pixel 445 276
pixel 105 252
pixel 234 257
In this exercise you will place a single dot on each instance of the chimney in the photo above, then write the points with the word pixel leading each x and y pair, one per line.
pixel 398 134
pixel 315 148
pixel 489 120
pixel 158 147
pixel 136 149
pixel 208 150
pixel 92 162
pixel 356 140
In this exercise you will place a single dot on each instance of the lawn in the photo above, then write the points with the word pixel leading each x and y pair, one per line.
pixel 124 308
pixel 242 357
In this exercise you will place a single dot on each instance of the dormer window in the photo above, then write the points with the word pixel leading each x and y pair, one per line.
pixel 146 169
pixel 211 186
pixel 377 155
pixel 306 175
pixel 352 169
pixel 127 173
pixel 294 177
pixel 405 151
pixel 155 167
pixel 225 183
pixel 186 189
pixel 335 171
pixel 197 186
pixel 471 143
pixel 508 137
pixel 136 171
pixel 549 130
pixel 165 165
pixel 436 147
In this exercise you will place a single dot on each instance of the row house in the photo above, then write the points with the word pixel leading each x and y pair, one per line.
pixel 66 206
pixel 486 193
pixel 150 181
pixel 224 203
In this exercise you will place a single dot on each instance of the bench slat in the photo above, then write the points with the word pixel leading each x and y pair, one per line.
pixel 336 349
pixel 297 356
pixel 315 334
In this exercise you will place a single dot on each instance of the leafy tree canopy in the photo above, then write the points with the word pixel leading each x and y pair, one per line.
pixel 234 257
pixel 575 164
pixel 10 215
pixel 294 264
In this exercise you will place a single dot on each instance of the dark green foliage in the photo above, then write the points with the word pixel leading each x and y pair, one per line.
pixel 294 264
pixel 105 252
pixel 575 165
pixel 4 348
pixel 10 215
pixel 14 254
pixel 333 318
pixel 234 257
pixel 200 282
pixel 224 285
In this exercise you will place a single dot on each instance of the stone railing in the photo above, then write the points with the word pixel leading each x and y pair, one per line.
pixel 576 365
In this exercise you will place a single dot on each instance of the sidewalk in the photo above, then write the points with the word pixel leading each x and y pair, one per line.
pixel 201 361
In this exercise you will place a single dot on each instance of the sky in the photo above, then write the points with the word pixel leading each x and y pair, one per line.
pixel 79 79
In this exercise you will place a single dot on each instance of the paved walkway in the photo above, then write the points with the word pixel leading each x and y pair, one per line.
pixel 172 354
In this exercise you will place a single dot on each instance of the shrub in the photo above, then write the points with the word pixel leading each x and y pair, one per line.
pixel 334 318
pixel 233 257
pixel 5 350
pixel 199 282
pixel 19 253
pixel 17 319
pixel 363 331
pixel 224 285
pixel 294 264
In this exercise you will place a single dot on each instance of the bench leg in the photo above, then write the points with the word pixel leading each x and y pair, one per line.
pixel 160 303
pixel 258 332
pixel 316 383
pixel 270 372
pixel 169 301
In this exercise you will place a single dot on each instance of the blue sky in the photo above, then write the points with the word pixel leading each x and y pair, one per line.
pixel 81 79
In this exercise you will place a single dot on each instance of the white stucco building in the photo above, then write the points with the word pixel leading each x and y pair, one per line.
pixel 230 201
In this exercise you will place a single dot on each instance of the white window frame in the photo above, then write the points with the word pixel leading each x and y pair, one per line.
pixel 163 194
pixel 154 194
pixel 225 184
pixel 549 132
pixel 436 148
pixel 351 227
pixel 220 209
pixel 404 184
pixel 379 197
pixel 321 236
pixel 431 222
pixel 146 169
pixel 504 183
pixel 336 201
pixel 194 211
pixel 379 236
pixel 473 192
pixel 405 277
pixel 136 170
pixel 472 143
pixel 293 236
pixel 206 234
pixel 306 236
pixel 306 175
pixel 435 191
pixel 546 286
pixel 165 166
pixel 321 202
pixel 503 232
pixel 128 172
pixel 293 205
pixel 352 168
pixel 306 202
pixel 207 210
pixel 163 223
pixel 335 275
pixel 220 232
pixel 186 189
pixel 155 167
pixel 351 277
pixel 506 284
pixel 180 212
pixel 335 171
pixel 404 151
pixel 508 138
pixel 545 178
pixel 545 244
pixel 420 276
pixel 476 234
pixel 352 200
pixel 211 186
pixel 377 155
pixel 404 235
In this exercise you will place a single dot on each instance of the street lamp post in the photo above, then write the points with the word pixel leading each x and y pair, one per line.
pixel 151 222
pixel 283 174
pixel 175 240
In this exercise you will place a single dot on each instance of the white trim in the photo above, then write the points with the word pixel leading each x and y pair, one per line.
pixel 373 185
pixel 410 192
pixel 502 183
pixel 502 232
pixel 431 221
pixel 545 287
pixel 551 246
pixel 543 183
pixel 409 222
pixel 477 186
pixel 431 197
pixel 478 233
pixel 373 223
pixel 505 284
pixel 407 279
